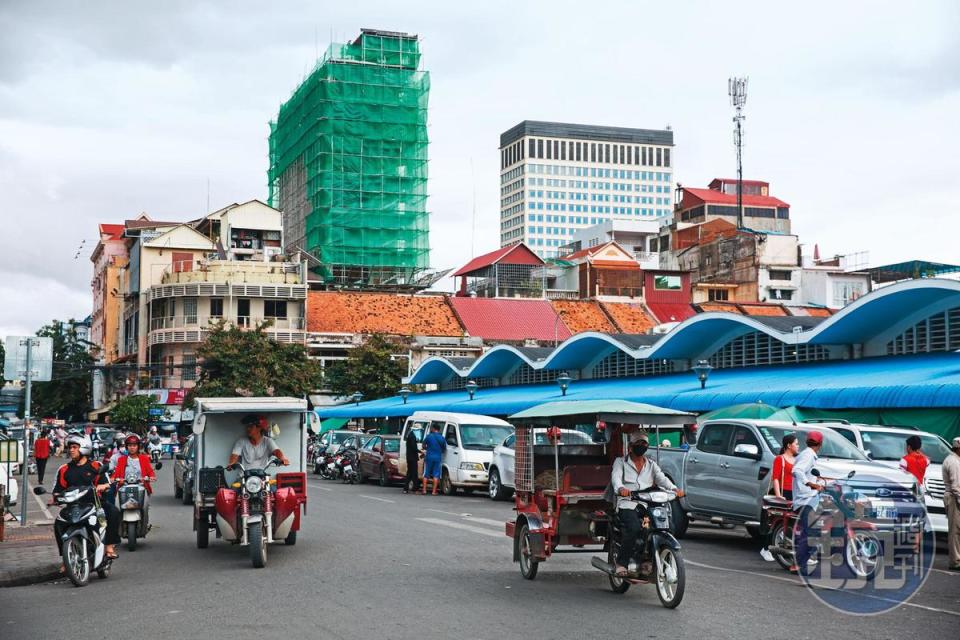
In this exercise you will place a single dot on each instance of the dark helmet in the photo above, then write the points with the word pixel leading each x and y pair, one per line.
pixel 252 419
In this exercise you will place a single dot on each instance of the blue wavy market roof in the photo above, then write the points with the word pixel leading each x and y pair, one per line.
pixel 925 381
pixel 897 306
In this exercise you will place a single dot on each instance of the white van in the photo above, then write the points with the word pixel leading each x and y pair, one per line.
pixel 470 442
pixel 887 445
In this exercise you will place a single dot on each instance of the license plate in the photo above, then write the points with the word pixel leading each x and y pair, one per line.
pixel 347 469
pixel 886 512
pixel 330 465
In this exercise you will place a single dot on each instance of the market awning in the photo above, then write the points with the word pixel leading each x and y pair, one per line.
pixel 331 424
pixel 910 269
pixel 606 410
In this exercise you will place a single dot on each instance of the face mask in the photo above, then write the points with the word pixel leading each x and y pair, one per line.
pixel 639 448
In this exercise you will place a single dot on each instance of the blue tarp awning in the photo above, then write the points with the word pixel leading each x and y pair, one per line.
pixel 925 381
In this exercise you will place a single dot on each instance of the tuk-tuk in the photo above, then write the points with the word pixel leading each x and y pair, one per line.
pixel 563 496
pixel 249 507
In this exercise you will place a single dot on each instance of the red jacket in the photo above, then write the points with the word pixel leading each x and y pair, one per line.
pixel 146 469
pixel 41 448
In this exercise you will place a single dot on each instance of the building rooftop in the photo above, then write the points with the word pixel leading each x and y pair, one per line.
pixel 586 132
pixel 910 269
pixel 400 315
pixel 629 317
pixel 583 315
pixel 514 254
pixel 671 311
pixel 509 319
pixel 710 196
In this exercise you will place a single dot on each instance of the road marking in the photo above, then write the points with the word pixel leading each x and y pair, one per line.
pixel 462 526
pixel 316 486
pixel 376 498
pixel 43 507
pixel 493 523
pixel 449 513
pixel 798 582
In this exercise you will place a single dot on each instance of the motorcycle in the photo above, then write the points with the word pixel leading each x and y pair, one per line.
pixel 657 557
pixel 155 451
pixel 348 465
pixel 135 508
pixel 250 509
pixel 84 526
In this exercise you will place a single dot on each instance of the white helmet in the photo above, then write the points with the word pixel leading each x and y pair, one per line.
pixel 153 429
pixel 86 447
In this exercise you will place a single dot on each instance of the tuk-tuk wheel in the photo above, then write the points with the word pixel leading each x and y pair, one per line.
pixel 291 539
pixel 528 565
pixel 203 532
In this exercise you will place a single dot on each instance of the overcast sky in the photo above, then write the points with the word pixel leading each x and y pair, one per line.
pixel 108 109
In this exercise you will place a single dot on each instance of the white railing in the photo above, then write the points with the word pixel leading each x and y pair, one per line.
pixel 193 322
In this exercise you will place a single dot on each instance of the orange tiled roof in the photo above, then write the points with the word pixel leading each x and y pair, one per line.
pixel 582 315
pixel 719 306
pixel 763 310
pixel 340 312
pixel 629 318
pixel 816 312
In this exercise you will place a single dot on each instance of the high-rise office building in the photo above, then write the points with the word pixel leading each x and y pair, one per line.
pixel 556 178
pixel 348 161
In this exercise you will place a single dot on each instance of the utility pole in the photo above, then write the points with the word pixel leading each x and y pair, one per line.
pixel 737 90
pixel 26 433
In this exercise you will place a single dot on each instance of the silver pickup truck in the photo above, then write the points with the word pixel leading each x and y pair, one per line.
pixel 727 472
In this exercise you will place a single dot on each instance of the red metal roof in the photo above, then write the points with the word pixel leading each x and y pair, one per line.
pixel 710 196
pixel 509 319
pixel 519 254
pixel 753 183
pixel 671 311
pixel 115 231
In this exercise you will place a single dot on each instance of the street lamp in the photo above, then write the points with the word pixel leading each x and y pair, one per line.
pixel 357 397
pixel 471 388
pixel 703 370
pixel 564 381
pixel 404 392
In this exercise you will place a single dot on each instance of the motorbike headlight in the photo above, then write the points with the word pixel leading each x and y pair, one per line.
pixel 253 484
pixel 394 462
pixel 657 513
pixel 92 520
pixel 471 466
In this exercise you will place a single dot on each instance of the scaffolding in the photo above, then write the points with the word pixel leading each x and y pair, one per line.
pixel 348 162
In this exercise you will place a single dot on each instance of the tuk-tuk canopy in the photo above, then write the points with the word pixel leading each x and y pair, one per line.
pixel 252 404
pixel 621 411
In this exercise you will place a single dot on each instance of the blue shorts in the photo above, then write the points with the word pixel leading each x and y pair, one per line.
pixel 431 467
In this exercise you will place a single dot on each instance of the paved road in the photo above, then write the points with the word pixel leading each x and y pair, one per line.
pixel 373 562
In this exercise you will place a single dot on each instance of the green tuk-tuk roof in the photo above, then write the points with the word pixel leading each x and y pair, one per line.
pixel 621 411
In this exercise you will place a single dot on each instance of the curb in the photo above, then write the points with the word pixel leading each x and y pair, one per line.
pixel 34 575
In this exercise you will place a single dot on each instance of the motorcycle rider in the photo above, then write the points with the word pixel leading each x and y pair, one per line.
pixel 134 459
pixel 635 472
pixel 154 440
pixel 82 471
pixel 255 449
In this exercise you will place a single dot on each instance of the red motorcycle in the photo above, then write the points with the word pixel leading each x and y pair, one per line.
pixel 259 510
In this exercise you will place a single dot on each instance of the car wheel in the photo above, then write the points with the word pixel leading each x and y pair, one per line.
pixel 186 495
pixel 177 491
pixel 446 485
pixel 384 481
pixel 495 487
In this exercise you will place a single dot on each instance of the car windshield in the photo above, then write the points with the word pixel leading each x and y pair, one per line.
pixel 483 436
pixel 340 436
pixel 391 445
pixel 834 445
pixel 884 445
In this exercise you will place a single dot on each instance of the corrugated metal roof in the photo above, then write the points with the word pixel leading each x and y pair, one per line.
pixel 671 311
pixel 718 197
pixel 519 254
pixel 887 382
pixel 508 319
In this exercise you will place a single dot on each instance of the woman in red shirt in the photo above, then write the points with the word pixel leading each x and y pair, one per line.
pixel 783 467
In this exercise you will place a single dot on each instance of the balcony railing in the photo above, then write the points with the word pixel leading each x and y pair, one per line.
pixel 203 322
pixel 232 271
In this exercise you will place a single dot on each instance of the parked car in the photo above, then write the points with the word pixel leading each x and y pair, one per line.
pixel 471 440
pixel 379 458
pixel 726 473
pixel 887 445
pixel 184 471
pixel 501 474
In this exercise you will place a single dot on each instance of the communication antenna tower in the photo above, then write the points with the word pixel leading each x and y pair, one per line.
pixel 737 89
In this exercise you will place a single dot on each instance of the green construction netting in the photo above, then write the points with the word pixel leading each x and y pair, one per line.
pixel 348 155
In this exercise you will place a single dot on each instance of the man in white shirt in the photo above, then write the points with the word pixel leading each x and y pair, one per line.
pixel 806 496
pixel 635 472
pixel 951 500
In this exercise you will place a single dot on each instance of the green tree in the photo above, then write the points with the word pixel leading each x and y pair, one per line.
pixel 370 369
pixel 133 412
pixel 246 362
pixel 69 393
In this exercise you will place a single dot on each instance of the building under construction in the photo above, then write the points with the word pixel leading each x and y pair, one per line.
pixel 348 163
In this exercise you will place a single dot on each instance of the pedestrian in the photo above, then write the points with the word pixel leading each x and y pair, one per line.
pixel 61 439
pixel 41 452
pixel 412 452
pixel 433 446
pixel 781 485
pixel 951 500
pixel 915 463
pixel 806 498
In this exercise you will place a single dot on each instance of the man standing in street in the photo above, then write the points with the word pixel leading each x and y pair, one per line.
pixel 41 453
pixel 433 447
pixel 412 451
pixel 806 498
pixel 951 500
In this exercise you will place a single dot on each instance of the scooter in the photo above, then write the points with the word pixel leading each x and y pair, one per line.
pixel 135 508
pixel 155 451
pixel 349 466
pixel 84 526
pixel 657 558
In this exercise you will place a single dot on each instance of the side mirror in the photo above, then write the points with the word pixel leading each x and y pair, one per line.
pixel 747 451
pixel 851 474
pixel 158 466
pixel 39 491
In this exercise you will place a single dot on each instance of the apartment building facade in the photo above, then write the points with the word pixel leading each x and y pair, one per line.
pixel 556 178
